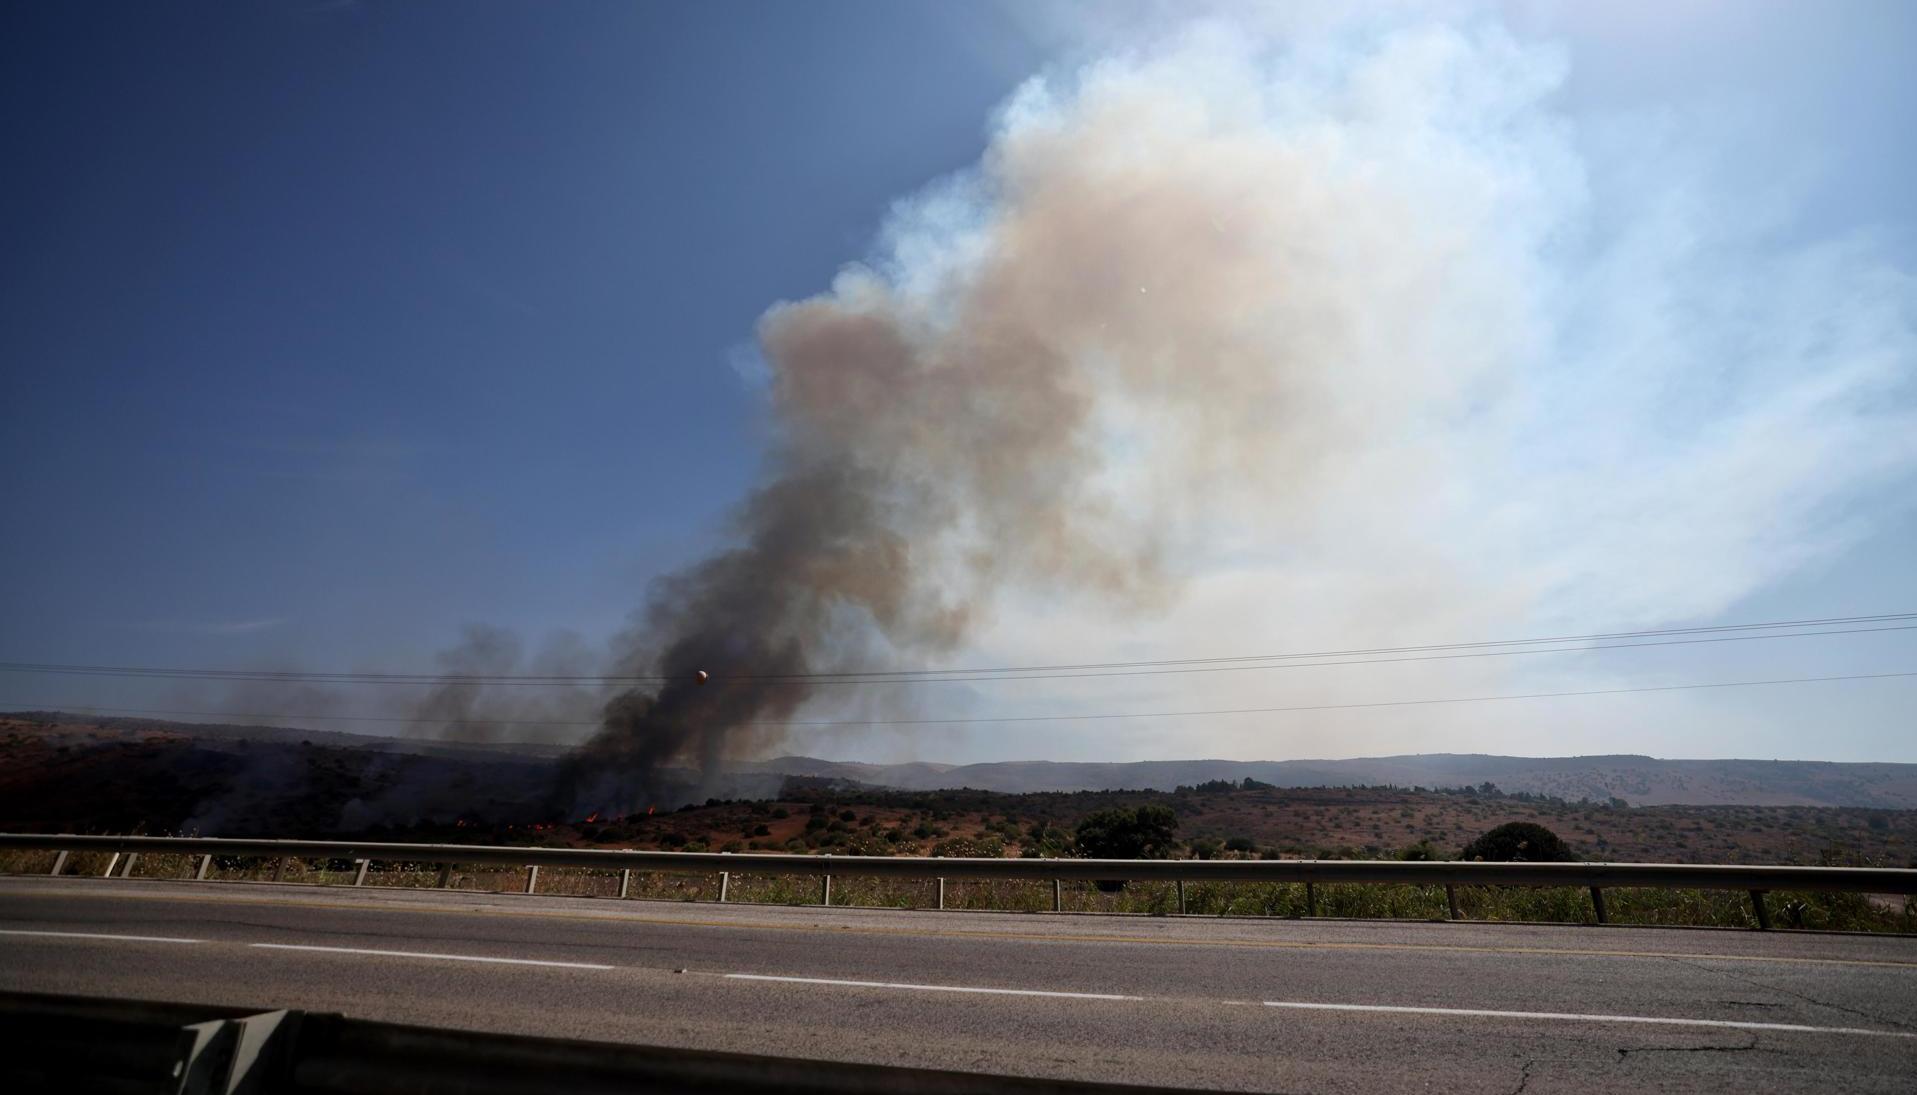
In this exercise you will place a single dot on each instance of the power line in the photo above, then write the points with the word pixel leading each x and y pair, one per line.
pixel 56 708
pixel 863 679
pixel 1092 669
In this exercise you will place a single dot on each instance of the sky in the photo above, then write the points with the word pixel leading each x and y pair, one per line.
pixel 370 337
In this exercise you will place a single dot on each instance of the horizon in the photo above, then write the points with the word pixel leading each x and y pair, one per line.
pixel 82 718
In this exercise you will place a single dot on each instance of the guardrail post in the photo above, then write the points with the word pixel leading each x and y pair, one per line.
pixel 131 859
pixel 1597 903
pixel 941 893
pixel 111 863
pixel 1451 900
pixel 625 882
pixel 59 862
pixel 206 866
pixel 825 891
pixel 1763 914
pixel 359 876
pixel 1181 896
pixel 1311 899
pixel 279 869
pixel 532 878
pixel 445 876
pixel 725 883
pixel 1058 895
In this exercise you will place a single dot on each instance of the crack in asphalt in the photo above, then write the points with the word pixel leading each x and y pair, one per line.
pixel 1524 1076
pixel 1795 995
pixel 1625 1051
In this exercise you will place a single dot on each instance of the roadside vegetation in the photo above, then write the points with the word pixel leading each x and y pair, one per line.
pixel 1141 832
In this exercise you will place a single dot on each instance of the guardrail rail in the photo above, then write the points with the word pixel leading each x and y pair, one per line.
pixel 1756 880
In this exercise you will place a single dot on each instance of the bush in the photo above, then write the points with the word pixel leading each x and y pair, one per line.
pixel 965 848
pixel 1145 833
pixel 1519 842
pixel 1239 844
pixel 1421 852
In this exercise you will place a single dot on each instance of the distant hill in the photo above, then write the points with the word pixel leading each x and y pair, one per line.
pixel 1638 780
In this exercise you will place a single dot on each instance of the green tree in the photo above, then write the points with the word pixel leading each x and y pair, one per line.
pixel 1149 832
pixel 1519 842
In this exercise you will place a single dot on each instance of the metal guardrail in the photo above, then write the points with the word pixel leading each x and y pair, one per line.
pixel 1596 877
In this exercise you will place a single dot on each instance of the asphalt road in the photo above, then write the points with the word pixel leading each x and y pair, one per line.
pixel 1238 1004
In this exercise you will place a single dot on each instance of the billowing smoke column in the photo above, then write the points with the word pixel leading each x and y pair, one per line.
pixel 1121 319
pixel 1340 307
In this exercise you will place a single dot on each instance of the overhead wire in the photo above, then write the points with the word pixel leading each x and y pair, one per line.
pixel 1062 671
pixel 36 708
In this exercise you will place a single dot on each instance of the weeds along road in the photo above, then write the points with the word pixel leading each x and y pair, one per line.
pixel 1243 1004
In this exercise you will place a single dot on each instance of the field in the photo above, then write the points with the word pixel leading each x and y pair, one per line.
pixel 74 779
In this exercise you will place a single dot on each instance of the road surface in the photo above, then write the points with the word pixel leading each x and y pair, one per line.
pixel 1270 1005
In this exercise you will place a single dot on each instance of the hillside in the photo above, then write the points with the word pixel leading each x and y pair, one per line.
pixel 79 776
pixel 1640 781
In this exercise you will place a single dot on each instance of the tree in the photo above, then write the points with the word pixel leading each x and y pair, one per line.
pixel 1149 832
pixel 1519 842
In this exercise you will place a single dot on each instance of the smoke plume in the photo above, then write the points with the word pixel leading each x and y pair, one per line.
pixel 1148 301
pixel 1335 307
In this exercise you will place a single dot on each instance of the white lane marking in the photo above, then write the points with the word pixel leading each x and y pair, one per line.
pixel 100 935
pixel 1654 1020
pixel 430 954
pixel 926 988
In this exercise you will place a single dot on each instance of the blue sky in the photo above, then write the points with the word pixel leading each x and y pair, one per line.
pixel 328 329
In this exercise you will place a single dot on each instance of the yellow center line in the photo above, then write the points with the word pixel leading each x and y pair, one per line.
pixel 965 934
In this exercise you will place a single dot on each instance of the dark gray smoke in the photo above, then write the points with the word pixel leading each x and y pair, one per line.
pixel 462 707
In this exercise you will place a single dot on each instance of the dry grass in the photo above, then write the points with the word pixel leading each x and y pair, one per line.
pixel 1689 908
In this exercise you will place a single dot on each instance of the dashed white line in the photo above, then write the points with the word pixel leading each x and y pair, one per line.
pixel 431 954
pixel 100 935
pixel 927 988
pixel 1567 1016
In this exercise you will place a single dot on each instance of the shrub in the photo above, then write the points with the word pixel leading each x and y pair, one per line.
pixel 965 848
pixel 1519 842
pixel 1145 833
pixel 1239 844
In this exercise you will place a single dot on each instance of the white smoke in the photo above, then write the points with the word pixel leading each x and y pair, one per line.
pixel 1239 343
